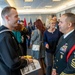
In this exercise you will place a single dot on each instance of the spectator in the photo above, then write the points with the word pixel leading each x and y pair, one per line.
pixel 24 36
pixel 29 27
pixel 51 37
pixel 36 39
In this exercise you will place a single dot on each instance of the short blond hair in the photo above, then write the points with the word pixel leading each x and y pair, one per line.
pixel 6 10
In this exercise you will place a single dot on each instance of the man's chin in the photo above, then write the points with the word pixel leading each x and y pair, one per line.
pixel 16 25
pixel 59 29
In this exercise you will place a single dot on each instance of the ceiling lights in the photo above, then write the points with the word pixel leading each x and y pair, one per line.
pixel 28 10
pixel 27 7
pixel 11 2
pixel 36 11
pixel 48 6
pixel 56 0
pixel 28 0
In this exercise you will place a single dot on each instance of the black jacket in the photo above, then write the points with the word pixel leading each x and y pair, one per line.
pixel 10 63
pixel 62 66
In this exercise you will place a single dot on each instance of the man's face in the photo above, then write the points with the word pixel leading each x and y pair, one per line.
pixel 63 24
pixel 13 18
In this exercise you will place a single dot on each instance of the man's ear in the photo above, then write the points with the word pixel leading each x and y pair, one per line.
pixel 69 24
pixel 7 18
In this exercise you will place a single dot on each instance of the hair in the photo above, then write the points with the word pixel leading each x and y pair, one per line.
pixel 52 20
pixel 6 10
pixel 70 18
pixel 18 28
pixel 40 25
pixel 22 21
pixel 29 23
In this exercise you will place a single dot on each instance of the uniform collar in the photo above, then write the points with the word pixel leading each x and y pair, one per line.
pixel 68 34
pixel 3 29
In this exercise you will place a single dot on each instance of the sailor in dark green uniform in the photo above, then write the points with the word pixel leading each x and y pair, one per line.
pixel 64 60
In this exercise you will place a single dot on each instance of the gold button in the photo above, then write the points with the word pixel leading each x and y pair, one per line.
pixel 56 67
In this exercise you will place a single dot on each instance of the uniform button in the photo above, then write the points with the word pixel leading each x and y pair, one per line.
pixel 56 67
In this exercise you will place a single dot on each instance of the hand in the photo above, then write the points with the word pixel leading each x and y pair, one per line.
pixel 54 72
pixel 32 33
pixel 28 36
pixel 22 57
pixel 47 46
pixel 30 46
pixel 30 60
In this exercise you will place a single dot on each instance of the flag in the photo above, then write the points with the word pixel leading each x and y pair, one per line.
pixel 25 23
pixel 18 21
pixel 30 21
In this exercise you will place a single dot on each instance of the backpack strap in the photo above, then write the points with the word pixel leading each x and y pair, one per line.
pixel 70 52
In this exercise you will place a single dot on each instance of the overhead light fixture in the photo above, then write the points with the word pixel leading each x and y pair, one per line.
pixel 36 11
pixel 27 7
pixel 48 6
pixel 28 0
pixel 11 3
pixel 56 0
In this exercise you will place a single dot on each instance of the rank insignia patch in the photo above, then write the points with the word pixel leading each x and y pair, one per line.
pixel 73 63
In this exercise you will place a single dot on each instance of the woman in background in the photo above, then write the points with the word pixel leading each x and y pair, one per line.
pixel 51 37
pixel 36 38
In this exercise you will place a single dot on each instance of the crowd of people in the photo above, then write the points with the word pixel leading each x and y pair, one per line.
pixel 53 47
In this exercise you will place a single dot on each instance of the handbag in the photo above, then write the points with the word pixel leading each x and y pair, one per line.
pixel 35 47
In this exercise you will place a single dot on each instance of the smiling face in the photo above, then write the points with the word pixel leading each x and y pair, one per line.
pixel 52 24
pixel 10 16
pixel 13 18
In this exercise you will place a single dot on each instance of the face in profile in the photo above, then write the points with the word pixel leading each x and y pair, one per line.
pixel 13 18
pixel 63 24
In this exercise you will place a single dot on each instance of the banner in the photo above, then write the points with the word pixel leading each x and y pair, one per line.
pixel 30 21
pixel 25 23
